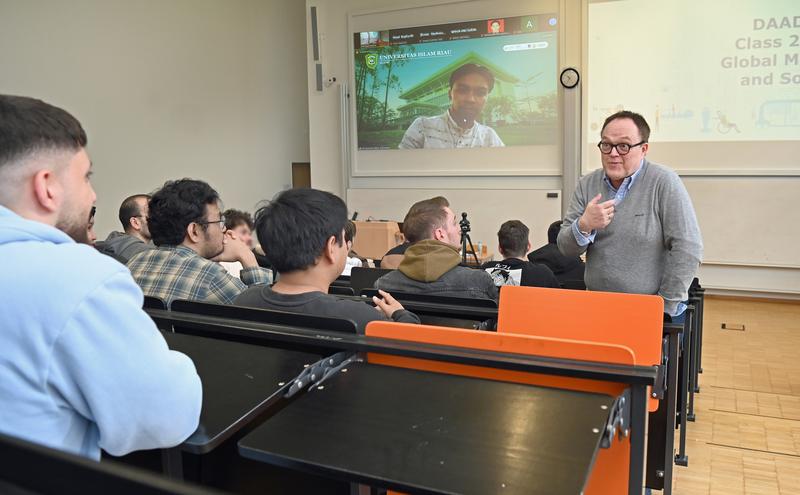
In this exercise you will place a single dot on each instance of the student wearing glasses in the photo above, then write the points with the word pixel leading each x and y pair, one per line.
pixel 135 235
pixel 634 220
pixel 189 231
pixel 458 127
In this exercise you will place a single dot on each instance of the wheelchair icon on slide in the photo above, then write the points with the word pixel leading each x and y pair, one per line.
pixel 725 126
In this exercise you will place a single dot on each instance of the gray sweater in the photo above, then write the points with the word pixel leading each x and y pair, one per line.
pixel 653 243
pixel 123 246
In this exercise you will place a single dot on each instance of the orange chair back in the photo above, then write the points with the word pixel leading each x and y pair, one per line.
pixel 632 320
pixel 610 473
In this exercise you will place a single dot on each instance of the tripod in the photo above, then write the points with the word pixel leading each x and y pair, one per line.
pixel 464 224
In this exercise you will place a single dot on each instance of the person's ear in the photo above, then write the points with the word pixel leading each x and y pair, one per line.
pixel 135 223
pixel 439 235
pixel 48 190
pixel 193 231
pixel 645 147
pixel 331 247
pixel 528 249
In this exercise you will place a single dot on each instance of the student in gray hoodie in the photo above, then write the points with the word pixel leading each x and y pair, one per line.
pixel 136 236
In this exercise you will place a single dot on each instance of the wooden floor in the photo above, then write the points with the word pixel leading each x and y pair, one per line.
pixel 747 435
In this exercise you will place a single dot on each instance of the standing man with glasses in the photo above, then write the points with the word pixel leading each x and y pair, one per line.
pixel 189 231
pixel 634 220
pixel 470 86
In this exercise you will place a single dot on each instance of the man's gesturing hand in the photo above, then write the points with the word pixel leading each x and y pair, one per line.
pixel 596 215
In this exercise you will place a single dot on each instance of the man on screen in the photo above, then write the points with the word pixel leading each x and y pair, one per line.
pixel 470 85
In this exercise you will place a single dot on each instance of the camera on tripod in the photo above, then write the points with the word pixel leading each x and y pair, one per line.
pixel 466 241
pixel 464 223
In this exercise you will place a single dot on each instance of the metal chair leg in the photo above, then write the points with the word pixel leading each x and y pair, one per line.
pixel 690 320
pixel 683 392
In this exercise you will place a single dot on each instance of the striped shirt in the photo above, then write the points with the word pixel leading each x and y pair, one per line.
pixel 177 272
pixel 443 132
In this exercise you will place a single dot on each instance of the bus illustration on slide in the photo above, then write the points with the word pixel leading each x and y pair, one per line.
pixel 779 113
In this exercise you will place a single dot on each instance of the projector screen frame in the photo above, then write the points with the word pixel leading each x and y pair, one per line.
pixel 532 160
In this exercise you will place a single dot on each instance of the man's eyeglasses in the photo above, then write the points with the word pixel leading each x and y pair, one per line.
pixel 92 212
pixel 622 148
pixel 478 91
pixel 221 222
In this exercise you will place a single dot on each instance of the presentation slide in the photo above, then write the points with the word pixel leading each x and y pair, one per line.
pixel 700 72
pixel 474 84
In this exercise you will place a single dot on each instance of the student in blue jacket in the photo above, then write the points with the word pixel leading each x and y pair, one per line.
pixel 82 367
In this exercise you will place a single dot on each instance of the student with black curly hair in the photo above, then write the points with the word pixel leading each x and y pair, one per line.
pixel 188 229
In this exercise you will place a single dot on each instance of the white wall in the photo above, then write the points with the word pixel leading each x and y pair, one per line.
pixel 208 89
pixel 527 206
pixel 735 228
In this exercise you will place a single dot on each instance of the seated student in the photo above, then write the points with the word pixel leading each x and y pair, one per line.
pixel 82 367
pixel 565 268
pixel 352 257
pixel 513 243
pixel 238 225
pixel 303 232
pixel 394 256
pixel 135 235
pixel 431 264
pixel 91 235
pixel 189 232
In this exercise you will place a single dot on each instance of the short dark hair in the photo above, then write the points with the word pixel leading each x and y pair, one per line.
pixel 552 232
pixel 513 238
pixel 177 204
pixel 349 231
pixel 295 226
pixel 234 218
pixel 423 217
pixel 472 69
pixel 641 124
pixel 28 125
pixel 130 208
